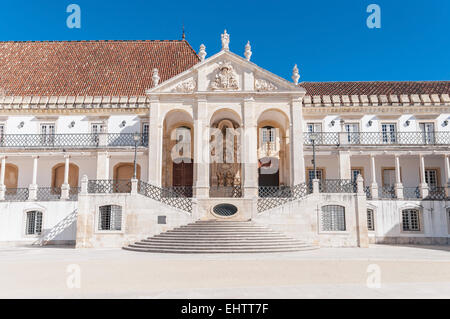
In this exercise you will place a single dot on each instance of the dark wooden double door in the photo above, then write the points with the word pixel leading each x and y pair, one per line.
pixel 183 177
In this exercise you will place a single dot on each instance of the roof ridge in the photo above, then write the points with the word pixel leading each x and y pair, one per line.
pixel 86 41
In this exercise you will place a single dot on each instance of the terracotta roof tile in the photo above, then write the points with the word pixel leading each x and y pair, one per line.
pixel 94 68
pixel 376 88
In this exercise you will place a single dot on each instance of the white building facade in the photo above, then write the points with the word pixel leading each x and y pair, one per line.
pixel 106 142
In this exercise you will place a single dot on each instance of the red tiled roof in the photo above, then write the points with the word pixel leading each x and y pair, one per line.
pixel 376 88
pixel 93 68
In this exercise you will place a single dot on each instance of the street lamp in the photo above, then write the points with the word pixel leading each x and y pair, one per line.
pixel 136 138
pixel 313 138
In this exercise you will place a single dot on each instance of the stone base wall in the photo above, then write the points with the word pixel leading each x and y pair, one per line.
pixel 139 220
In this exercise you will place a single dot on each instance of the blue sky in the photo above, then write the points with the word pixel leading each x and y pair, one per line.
pixel 329 40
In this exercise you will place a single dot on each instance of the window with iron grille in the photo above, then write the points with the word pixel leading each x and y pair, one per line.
pixel 34 223
pixel 431 178
pixel 2 132
pixel 411 220
pixel 370 220
pixel 333 218
pixel 319 174
pixel 110 217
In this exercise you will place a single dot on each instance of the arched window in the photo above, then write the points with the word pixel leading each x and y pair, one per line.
pixel 411 220
pixel 110 217
pixel 34 223
pixel 333 218
pixel 370 220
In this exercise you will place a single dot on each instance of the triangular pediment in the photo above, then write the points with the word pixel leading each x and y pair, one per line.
pixel 225 72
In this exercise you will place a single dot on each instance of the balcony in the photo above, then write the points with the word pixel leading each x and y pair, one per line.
pixel 80 140
pixel 378 138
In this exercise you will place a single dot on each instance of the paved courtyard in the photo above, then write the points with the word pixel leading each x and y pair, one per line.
pixel 378 272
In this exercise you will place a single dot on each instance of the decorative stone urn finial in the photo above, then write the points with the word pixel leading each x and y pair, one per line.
pixel 202 52
pixel 295 75
pixel 248 51
pixel 225 40
pixel 155 77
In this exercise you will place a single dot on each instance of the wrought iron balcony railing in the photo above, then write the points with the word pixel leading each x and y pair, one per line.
pixel 77 140
pixel 16 194
pixel 386 192
pixel 337 186
pixel 378 138
pixel 411 193
pixel 274 196
pixel 225 191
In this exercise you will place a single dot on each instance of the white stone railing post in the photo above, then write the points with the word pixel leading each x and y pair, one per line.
pixel 2 192
pixel 316 188
pixel 84 185
pixel 134 186
pixel 360 185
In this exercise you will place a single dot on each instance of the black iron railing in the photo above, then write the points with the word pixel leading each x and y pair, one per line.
pixel 173 199
pixel 177 191
pixel 46 194
pixel 386 192
pixel 368 191
pixel 77 140
pixel 16 194
pixel 438 193
pixel 107 186
pixel 274 196
pixel 411 193
pixel 225 191
pixel 337 186
pixel 378 138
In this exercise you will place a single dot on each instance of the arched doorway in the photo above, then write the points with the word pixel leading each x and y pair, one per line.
pixel 273 148
pixel 125 171
pixel 11 176
pixel 178 148
pixel 58 175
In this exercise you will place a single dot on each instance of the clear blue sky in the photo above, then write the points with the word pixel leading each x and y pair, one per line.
pixel 329 40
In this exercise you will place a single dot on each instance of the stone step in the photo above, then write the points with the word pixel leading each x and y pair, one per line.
pixel 216 245
pixel 217 251
pixel 220 237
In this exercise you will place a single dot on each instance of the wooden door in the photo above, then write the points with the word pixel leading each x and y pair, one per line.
pixel 11 176
pixel 183 174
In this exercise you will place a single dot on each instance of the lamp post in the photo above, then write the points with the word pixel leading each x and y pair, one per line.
pixel 136 138
pixel 313 141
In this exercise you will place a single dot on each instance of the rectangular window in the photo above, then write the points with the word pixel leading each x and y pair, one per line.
pixel 427 130
pixel 319 174
pixel 333 218
pixel 355 173
pixel 370 220
pixel 389 177
pixel 389 133
pixel 110 217
pixel 431 178
pixel 47 134
pixel 268 135
pixel 315 128
pixel 352 130
pixel 34 223
pixel 411 220
pixel 145 132
pixel 96 129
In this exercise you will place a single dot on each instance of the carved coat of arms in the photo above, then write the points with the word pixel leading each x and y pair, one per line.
pixel 226 78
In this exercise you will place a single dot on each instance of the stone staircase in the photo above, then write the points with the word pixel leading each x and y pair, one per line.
pixel 220 237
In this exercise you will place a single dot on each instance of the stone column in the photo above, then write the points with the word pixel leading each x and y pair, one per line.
pixel 374 185
pixel 103 165
pixel 345 167
pixel 398 180
pixel 423 185
pixel 297 160
pixel 65 187
pixel 250 150
pixel 361 214
pixel 201 149
pixel 155 143
pixel 32 189
pixel 2 178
